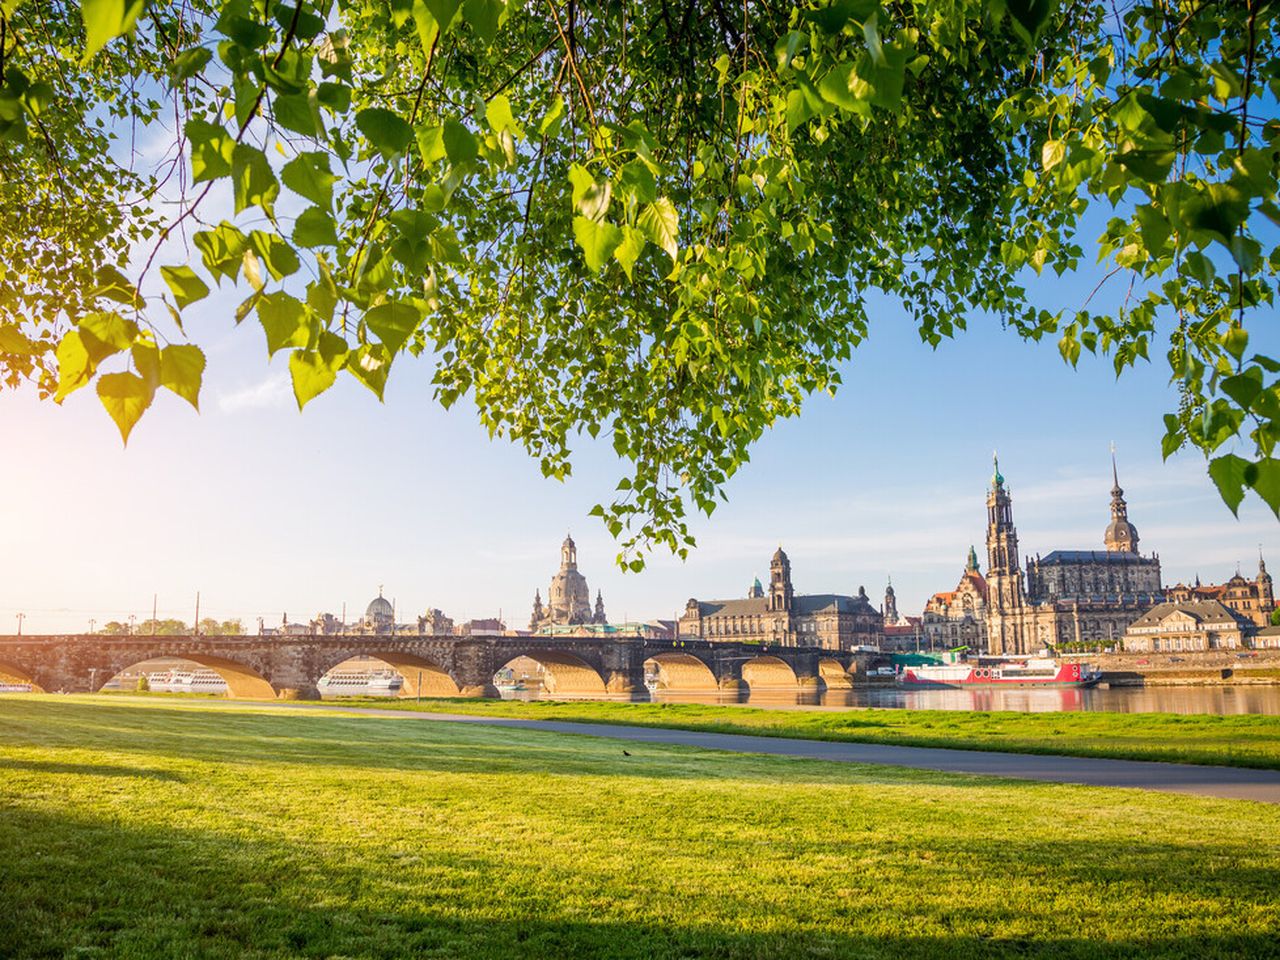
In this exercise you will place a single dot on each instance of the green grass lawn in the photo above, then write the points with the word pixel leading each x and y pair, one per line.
pixel 166 829
pixel 1244 741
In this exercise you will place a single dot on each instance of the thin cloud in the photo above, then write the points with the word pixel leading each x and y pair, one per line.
pixel 271 393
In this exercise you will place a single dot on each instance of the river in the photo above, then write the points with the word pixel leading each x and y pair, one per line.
pixel 1260 698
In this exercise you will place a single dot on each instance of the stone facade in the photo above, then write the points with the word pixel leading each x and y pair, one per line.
pixel 1253 599
pixel 1069 596
pixel 568 598
pixel 829 621
pixel 1185 626
pixel 958 617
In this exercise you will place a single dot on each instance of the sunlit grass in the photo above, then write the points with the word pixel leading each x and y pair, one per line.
pixel 1242 740
pixel 169 830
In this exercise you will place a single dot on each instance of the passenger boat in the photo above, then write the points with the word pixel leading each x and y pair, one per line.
pixel 374 683
pixel 996 672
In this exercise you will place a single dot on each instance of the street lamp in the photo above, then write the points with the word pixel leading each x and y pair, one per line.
pixel 21 617
pixel 133 621
pixel 92 623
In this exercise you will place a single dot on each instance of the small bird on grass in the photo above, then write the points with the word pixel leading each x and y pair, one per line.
pixel 625 754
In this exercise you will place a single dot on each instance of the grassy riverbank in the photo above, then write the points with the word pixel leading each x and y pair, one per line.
pixel 1245 741
pixel 162 829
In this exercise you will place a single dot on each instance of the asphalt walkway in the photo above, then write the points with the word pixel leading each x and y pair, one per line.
pixel 1232 783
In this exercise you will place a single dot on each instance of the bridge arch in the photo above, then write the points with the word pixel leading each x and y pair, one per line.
pixel 422 677
pixel 769 673
pixel 682 672
pixel 834 675
pixel 564 673
pixel 243 682
pixel 12 673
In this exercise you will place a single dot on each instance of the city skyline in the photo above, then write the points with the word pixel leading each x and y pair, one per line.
pixel 266 511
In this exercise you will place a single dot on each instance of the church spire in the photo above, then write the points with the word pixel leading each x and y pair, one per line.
pixel 1121 535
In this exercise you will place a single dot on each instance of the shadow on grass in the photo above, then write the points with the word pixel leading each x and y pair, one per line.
pixel 86 888
pixel 87 769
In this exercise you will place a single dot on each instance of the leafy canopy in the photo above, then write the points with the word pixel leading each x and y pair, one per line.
pixel 656 220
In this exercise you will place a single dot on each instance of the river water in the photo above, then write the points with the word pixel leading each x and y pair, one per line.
pixel 1259 698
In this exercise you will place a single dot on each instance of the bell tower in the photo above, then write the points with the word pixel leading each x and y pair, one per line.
pixel 890 605
pixel 1121 536
pixel 1006 628
pixel 780 592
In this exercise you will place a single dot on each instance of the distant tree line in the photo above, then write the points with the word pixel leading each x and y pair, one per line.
pixel 209 627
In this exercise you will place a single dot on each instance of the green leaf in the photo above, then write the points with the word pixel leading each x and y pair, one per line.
pixel 182 371
pixel 1218 209
pixel 835 87
pixel 189 63
pixel 661 223
pixel 314 228
pixel 393 323
pixel 222 250
pixel 431 143
pixel 278 256
pixel 146 360
pixel 428 27
pixel 125 397
pixel 75 368
pixel 104 20
pixel 629 249
pixel 253 179
pixel 299 112
pixel 1028 16
pixel 591 199
pixel 106 333
pixel 386 130
pixel 459 143
pixel 1052 154
pixel 444 11
pixel 186 286
pixel 597 240
pixel 498 113
pixel 211 148
pixel 1265 481
pixel 484 17
pixel 313 373
pixel 284 320
pixel 370 364
pixel 1228 474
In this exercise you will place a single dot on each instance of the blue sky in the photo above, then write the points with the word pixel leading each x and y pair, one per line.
pixel 267 511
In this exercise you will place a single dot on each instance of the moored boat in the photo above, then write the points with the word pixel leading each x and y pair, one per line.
pixel 991 672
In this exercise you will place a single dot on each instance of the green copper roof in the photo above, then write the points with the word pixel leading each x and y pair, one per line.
pixel 996 479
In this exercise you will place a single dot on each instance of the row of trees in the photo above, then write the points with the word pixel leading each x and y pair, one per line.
pixel 208 627
pixel 659 222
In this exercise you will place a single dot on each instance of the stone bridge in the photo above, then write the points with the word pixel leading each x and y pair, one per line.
pixel 269 667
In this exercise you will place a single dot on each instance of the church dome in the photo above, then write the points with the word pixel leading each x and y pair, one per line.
pixel 1121 532
pixel 779 556
pixel 379 608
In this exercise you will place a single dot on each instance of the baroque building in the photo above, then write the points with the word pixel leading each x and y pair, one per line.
pixel 958 618
pixel 1068 596
pixel 1186 625
pixel 568 598
pixel 780 616
pixel 1253 599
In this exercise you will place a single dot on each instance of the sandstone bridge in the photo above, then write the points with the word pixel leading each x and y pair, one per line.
pixel 269 667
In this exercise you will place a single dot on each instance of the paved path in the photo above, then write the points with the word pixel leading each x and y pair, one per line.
pixel 1233 783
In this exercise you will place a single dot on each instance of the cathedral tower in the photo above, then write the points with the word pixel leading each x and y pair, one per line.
pixel 1121 536
pixel 1266 595
pixel 890 606
pixel 1006 628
